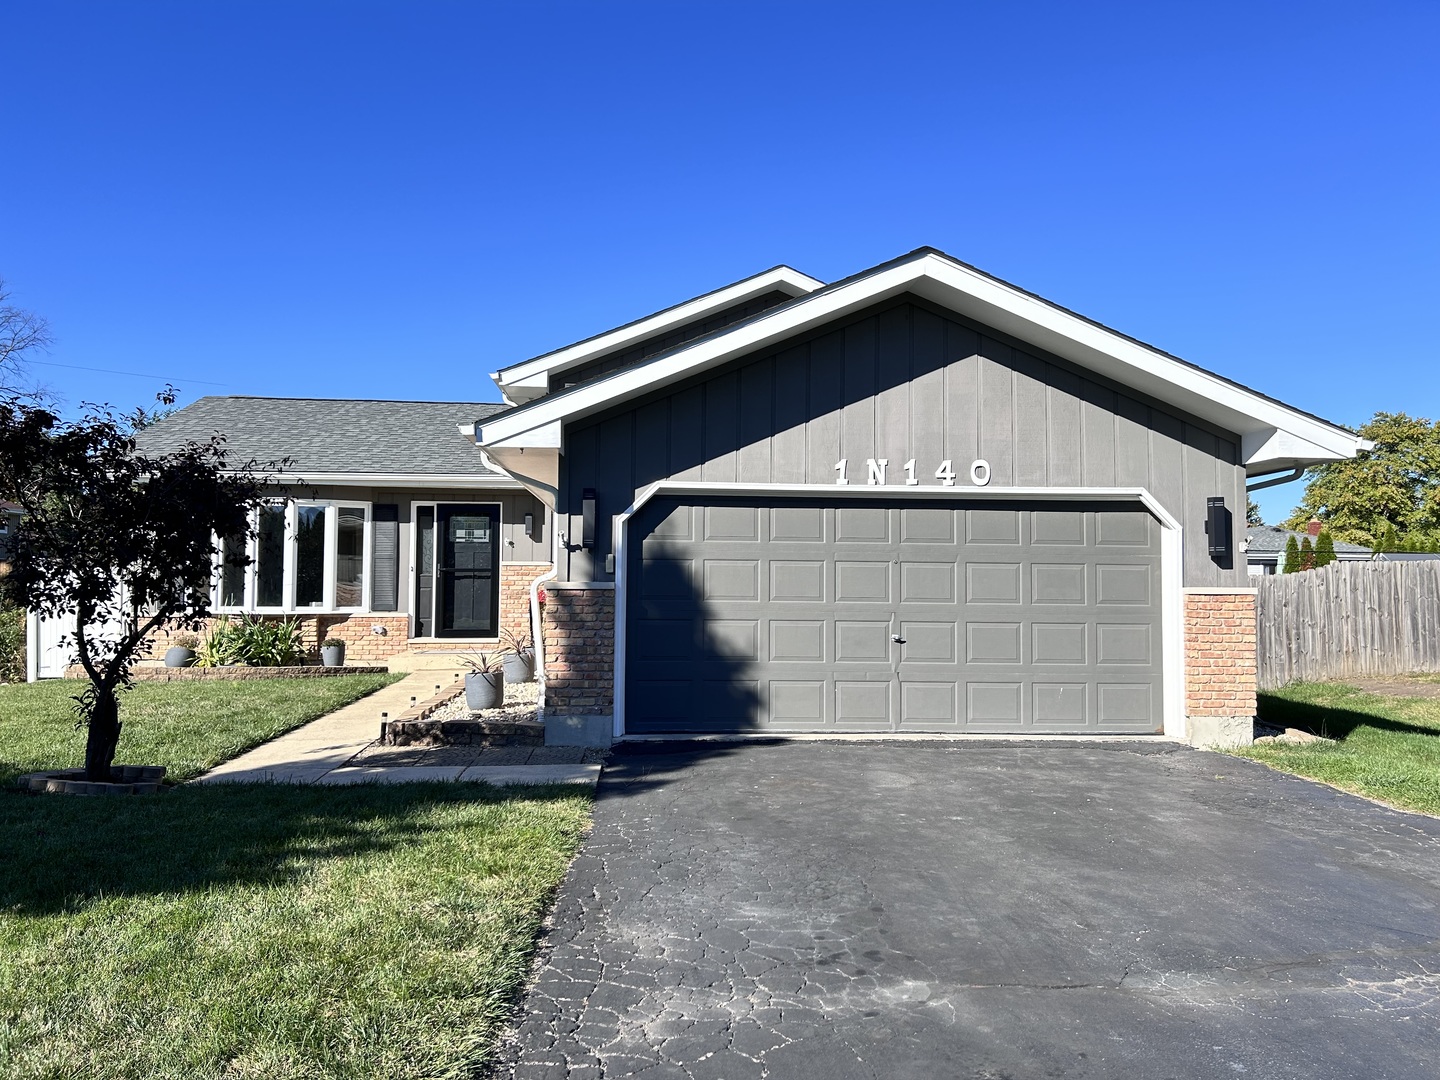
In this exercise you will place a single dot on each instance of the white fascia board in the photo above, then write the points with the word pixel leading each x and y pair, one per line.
pixel 987 301
pixel 525 377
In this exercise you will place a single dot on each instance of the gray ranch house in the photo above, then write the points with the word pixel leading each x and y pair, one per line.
pixel 917 500
pixel 1265 548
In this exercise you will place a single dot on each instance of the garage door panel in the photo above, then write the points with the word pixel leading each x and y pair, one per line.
pixel 993 583
pixel 992 642
pixel 927 583
pixel 1012 619
pixel 1059 643
pixel 862 582
pixel 731 579
pixel 797 524
pixel 927 525
pixel 797 641
pixel 862 704
pixel 1127 583
pixel 1060 704
pixel 797 703
pixel 862 642
pixel 928 706
pixel 1058 583
pixel 1058 527
pixel 862 525
pixel 797 581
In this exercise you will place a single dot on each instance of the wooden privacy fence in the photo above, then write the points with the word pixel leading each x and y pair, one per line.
pixel 1349 619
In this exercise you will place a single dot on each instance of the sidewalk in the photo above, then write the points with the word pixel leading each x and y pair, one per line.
pixel 318 752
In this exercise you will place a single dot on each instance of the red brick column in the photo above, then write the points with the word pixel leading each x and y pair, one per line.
pixel 515 581
pixel 579 629
pixel 1220 665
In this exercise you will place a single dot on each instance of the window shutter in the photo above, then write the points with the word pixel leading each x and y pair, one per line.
pixel 385 587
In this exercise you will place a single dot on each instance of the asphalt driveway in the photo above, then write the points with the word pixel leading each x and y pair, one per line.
pixel 883 910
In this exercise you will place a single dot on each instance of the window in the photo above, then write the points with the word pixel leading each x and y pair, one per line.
pixel 306 556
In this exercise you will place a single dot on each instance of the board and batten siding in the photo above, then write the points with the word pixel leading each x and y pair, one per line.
pixel 903 381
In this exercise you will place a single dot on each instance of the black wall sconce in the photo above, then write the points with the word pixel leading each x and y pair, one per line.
pixel 587 518
pixel 1219 529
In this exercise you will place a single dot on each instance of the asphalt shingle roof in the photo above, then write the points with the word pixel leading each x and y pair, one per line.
pixel 1271 538
pixel 330 435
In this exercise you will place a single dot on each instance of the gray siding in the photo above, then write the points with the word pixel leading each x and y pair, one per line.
pixel 653 346
pixel 904 381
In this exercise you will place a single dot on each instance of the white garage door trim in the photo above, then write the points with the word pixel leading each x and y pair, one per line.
pixel 1171 548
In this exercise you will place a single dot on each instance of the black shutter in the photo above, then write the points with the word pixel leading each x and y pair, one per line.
pixel 385 590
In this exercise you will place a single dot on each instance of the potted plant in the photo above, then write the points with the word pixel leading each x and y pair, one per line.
pixel 485 682
pixel 332 652
pixel 181 652
pixel 519 655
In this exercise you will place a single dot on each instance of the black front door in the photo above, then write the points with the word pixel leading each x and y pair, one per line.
pixel 468 571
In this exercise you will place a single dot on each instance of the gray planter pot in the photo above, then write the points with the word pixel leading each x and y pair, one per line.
pixel 175 656
pixel 333 655
pixel 484 691
pixel 519 667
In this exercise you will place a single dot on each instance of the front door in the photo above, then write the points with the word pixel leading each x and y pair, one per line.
pixel 467 570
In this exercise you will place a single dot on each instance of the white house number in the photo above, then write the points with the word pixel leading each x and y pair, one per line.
pixel 875 472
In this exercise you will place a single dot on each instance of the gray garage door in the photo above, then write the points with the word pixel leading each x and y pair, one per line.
pixel 800 616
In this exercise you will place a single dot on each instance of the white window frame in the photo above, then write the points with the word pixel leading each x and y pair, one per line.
pixel 290 556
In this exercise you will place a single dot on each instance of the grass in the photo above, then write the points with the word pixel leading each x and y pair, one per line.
pixel 1387 748
pixel 251 931
pixel 188 727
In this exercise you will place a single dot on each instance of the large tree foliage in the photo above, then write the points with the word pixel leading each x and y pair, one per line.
pixel 110 534
pixel 1396 485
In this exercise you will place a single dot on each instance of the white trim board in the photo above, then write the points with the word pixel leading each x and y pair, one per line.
pixel 1172 613
pixel 1273 435
pixel 530 379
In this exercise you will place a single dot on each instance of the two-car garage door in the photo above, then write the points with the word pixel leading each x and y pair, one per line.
pixel 798 615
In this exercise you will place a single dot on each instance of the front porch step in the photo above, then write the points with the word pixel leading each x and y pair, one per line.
pixel 462 733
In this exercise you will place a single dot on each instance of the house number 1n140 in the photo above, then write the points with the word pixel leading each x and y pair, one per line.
pixel 875 472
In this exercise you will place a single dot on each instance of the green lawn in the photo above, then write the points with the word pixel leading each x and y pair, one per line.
pixel 186 726
pixel 1387 748
pixel 251 931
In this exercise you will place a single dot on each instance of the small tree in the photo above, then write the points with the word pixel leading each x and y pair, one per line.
pixel 1253 514
pixel 110 534
pixel 1307 554
pixel 1292 557
pixel 1324 549
pixel 1388 540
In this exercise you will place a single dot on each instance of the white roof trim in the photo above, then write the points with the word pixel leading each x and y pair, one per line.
pixel 402 480
pixel 521 380
pixel 1274 435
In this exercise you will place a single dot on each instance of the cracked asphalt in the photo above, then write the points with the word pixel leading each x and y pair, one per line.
pixel 888 910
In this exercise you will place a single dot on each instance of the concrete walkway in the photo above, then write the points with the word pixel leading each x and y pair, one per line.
pixel 318 752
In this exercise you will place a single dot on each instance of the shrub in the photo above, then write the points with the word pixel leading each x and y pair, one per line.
pixel 253 641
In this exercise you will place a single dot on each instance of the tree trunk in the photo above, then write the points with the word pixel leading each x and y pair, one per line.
pixel 103 736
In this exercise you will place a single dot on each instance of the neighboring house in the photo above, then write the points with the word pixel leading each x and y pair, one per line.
pixel 917 500
pixel 397 534
pixel 1265 548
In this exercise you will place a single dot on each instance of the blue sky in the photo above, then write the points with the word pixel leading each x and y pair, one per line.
pixel 391 200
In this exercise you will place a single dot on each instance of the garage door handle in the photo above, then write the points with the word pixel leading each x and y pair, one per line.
pixel 897 639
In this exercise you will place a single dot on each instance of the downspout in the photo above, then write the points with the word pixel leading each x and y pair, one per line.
pixel 538 627
pixel 1284 478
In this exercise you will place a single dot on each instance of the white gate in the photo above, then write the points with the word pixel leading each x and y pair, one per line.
pixel 48 648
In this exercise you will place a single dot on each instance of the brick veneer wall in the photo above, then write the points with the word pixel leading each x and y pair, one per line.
pixel 362 644
pixel 515 581
pixel 1220 661
pixel 579 629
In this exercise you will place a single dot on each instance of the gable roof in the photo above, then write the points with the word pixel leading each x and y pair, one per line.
pixel 335 437
pixel 528 379
pixel 1273 435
